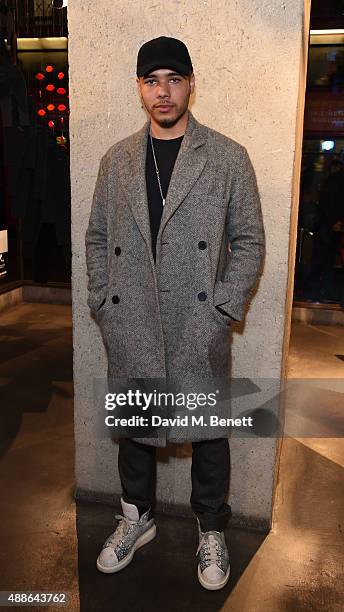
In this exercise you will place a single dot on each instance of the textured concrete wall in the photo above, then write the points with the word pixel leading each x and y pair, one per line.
pixel 247 58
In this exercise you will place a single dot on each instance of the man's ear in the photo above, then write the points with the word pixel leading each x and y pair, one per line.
pixel 138 87
pixel 139 91
pixel 192 83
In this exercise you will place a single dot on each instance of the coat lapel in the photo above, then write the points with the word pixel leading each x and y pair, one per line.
pixel 189 164
pixel 133 179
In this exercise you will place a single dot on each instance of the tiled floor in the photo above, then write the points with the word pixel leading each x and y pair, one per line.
pixel 50 543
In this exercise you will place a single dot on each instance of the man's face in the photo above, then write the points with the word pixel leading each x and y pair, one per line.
pixel 165 95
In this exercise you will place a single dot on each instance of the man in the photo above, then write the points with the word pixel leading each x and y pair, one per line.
pixel 174 246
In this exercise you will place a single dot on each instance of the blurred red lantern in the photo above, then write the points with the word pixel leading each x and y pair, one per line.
pixel 51 107
pixel 41 112
pixel 50 87
pixel 49 68
pixel 51 124
pixel 39 76
pixel 61 91
pixel 60 75
pixel 61 107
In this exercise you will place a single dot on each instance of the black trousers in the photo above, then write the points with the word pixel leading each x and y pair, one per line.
pixel 209 476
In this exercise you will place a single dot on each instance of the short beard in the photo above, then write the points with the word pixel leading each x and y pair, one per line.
pixel 169 123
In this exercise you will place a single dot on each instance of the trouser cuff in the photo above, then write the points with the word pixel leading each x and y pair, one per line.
pixel 210 521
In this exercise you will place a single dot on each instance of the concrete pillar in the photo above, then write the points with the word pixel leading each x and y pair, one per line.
pixel 250 60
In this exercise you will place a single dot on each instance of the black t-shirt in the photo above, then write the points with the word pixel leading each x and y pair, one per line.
pixel 166 152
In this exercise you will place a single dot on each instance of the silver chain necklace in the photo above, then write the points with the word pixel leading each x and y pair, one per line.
pixel 157 170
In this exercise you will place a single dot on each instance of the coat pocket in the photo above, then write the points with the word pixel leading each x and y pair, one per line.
pixel 101 305
pixel 101 310
pixel 95 299
pixel 224 318
pixel 220 317
pixel 217 195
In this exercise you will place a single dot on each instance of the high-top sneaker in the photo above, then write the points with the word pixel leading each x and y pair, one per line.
pixel 213 560
pixel 131 533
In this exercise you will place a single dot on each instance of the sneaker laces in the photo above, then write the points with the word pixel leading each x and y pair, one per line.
pixel 121 530
pixel 211 546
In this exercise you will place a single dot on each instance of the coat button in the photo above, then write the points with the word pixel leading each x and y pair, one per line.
pixel 117 250
pixel 202 245
pixel 115 299
pixel 202 296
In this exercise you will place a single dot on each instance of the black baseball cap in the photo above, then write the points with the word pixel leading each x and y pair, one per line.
pixel 164 52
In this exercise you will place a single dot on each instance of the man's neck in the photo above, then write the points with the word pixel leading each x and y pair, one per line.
pixel 175 131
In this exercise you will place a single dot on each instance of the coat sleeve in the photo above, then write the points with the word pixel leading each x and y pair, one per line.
pixel 96 242
pixel 246 237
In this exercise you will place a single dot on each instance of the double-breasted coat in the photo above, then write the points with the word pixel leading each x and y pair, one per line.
pixel 161 319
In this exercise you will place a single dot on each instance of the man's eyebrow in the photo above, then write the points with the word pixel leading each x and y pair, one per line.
pixel 153 74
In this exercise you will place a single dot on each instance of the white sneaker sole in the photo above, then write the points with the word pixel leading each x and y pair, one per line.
pixel 211 586
pixel 146 537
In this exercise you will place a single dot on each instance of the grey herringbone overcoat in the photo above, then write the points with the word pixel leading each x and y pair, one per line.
pixel 161 319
